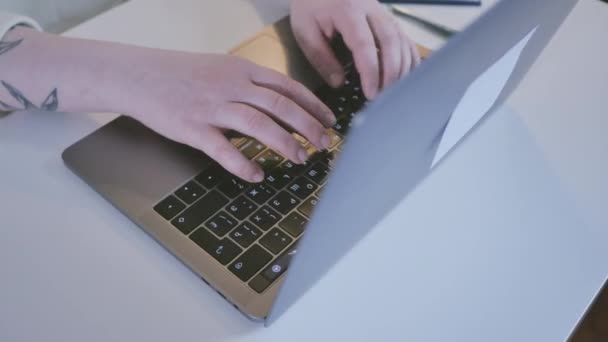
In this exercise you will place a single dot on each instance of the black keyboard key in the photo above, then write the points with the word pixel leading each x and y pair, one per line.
pixel 269 159
pixel 357 101
pixel 259 283
pixel 275 240
pixel 252 148
pixel 212 176
pixel 302 187
pixel 339 104
pixel 221 223
pixel 278 178
pixel 350 117
pixel 260 193
pixel 284 202
pixel 308 206
pixel 233 186
pixel 325 93
pixel 291 168
pixel 318 173
pixel 241 208
pixel 250 262
pixel 359 91
pixel 294 224
pixel 327 157
pixel 342 126
pixel 199 212
pixel 280 265
pixel 245 234
pixel 169 207
pixel 265 218
pixel 190 192
pixel 223 250
pixel 352 75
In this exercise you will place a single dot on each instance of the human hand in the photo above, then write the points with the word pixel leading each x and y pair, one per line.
pixel 382 52
pixel 194 99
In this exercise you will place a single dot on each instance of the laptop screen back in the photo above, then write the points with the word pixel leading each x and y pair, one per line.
pixel 410 127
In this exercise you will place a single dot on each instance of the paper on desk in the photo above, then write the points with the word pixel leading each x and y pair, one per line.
pixel 479 97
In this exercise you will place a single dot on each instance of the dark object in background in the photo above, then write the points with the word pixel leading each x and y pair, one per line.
pixel 593 326
pixel 437 2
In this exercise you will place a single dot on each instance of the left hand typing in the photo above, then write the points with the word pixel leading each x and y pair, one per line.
pixel 382 52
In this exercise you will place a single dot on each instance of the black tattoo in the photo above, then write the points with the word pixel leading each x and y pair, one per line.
pixel 17 95
pixel 51 103
pixel 7 46
pixel 6 108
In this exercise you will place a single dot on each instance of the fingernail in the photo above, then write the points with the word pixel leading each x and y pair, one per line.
pixel 302 156
pixel 371 93
pixel 331 120
pixel 325 141
pixel 335 79
pixel 258 176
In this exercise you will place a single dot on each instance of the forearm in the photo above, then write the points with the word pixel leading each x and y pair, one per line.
pixel 43 71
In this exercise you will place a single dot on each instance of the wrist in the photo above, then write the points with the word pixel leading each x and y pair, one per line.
pixel 88 76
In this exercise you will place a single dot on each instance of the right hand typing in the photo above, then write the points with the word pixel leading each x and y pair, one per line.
pixel 193 99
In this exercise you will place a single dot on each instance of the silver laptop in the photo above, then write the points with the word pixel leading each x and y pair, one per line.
pixel 242 238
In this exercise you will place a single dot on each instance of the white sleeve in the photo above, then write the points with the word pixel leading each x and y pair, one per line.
pixel 9 20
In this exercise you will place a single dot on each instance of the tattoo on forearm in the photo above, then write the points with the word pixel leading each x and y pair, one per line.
pixel 7 46
pixel 51 103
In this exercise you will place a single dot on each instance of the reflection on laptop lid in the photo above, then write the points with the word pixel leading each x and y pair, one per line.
pixel 400 137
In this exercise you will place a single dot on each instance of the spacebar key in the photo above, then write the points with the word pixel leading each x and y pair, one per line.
pixel 199 212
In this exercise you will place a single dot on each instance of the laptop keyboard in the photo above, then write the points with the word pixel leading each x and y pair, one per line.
pixel 253 229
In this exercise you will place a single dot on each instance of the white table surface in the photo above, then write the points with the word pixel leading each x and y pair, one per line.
pixel 74 269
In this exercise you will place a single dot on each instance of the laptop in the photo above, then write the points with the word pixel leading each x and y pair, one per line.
pixel 262 246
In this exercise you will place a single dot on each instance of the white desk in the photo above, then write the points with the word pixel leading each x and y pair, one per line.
pixel 74 269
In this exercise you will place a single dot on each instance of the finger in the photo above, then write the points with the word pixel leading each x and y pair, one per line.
pixel 387 38
pixel 215 145
pixel 358 37
pixel 287 113
pixel 415 51
pixel 317 50
pixel 254 123
pixel 295 91
pixel 407 59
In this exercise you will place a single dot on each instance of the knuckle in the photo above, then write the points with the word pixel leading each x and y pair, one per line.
pixel 255 120
pixel 278 104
